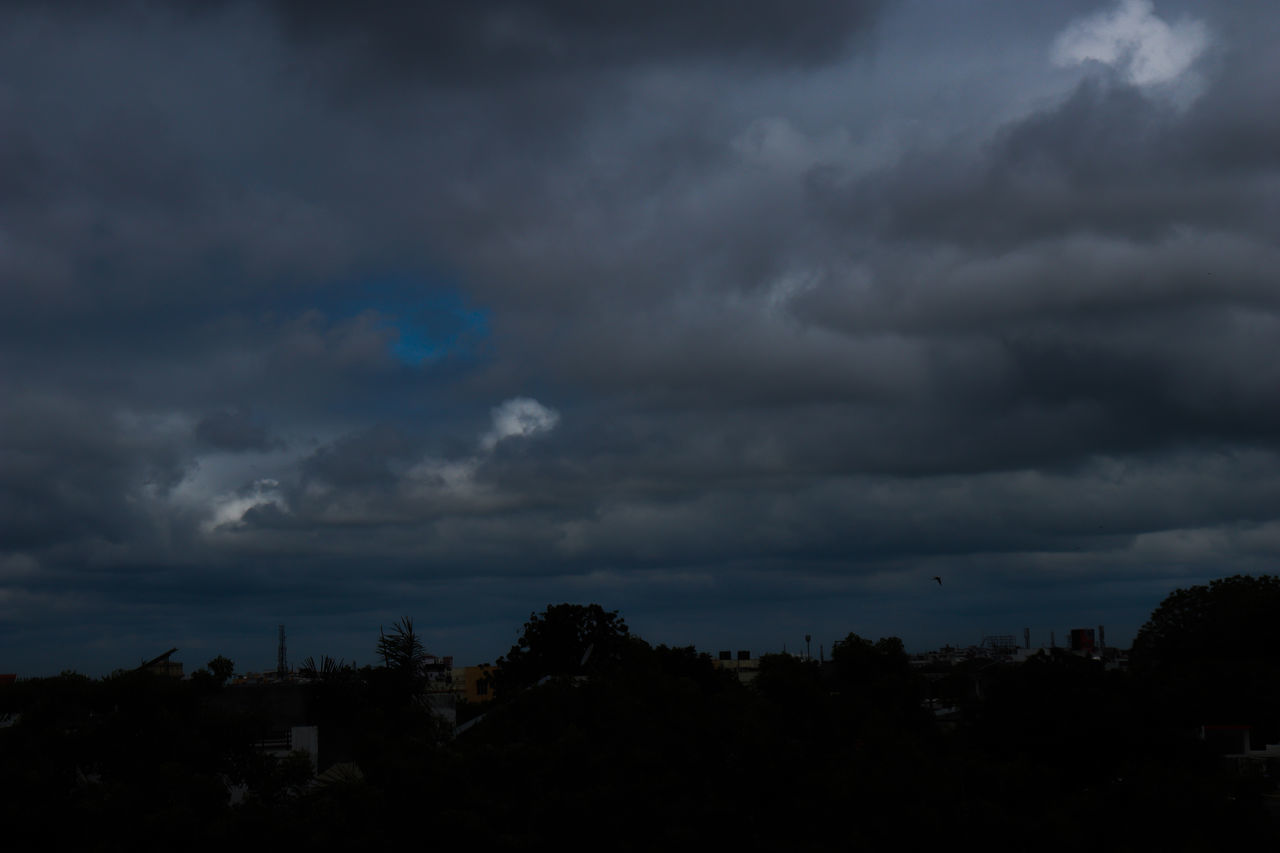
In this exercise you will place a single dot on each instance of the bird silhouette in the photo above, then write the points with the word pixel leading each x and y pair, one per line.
pixel 938 579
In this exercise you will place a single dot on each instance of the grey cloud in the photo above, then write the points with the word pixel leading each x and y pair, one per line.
pixel 496 39
pixel 367 458
pixel 78 477
pixel 1109 160
pixel 816 319
pixel 235 430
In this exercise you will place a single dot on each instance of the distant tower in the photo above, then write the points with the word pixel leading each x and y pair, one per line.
pixel 1053 641
pixel 1026 638
pixel 1102 637
pixel 282 659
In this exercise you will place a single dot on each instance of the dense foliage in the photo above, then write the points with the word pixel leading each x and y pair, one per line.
pixel 1212 653
pixel 635 747
pixel 563 640
pixel 1226 619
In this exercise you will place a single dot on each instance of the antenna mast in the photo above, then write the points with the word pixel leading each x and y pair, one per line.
pixel 282 660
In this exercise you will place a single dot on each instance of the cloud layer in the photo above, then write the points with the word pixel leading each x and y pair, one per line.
pixel 1133 39
pixel 744 319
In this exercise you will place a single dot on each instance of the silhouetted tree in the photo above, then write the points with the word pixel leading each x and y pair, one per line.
pixel 876 679
pixel 1229 617
pixel 402 650
pixel 325 668
pixel 221 668
pixel 1211 653
pixel 557 642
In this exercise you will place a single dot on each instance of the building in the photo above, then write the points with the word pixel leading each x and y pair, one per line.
pixel 743 665
pixel 1082 640
pixel 475 684
pixel 162 665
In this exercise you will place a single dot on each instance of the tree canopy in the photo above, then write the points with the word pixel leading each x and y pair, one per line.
pixel 557 641
pixel 1230 617
pixel 221 668
pixel 402 650
pixel 658 748
pixel 1212 653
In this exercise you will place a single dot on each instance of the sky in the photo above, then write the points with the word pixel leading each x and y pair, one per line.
pixel 745 319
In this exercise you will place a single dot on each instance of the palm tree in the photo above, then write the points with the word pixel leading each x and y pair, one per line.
pixel 402 651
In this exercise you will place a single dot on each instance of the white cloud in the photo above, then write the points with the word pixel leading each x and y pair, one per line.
pixel 435 479
pixel 519 416
pixel 1132 39
pixel 229 510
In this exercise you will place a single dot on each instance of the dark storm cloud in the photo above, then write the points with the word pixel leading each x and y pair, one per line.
pixel 236 430
pixel 75 479
pixel 1109 270
pixel 455 42
pixel 324 309
pixel 1110 160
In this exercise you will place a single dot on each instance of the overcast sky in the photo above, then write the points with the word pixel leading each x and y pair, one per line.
pixel 745 319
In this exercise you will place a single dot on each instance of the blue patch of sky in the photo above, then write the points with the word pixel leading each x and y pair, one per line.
pixel 439 336
pixel 431 316
pixel 443 326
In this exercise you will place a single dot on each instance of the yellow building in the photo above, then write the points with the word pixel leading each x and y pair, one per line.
pixel 475 686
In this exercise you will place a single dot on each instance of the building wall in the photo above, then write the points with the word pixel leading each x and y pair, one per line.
pixel 474 687
pixel 743 666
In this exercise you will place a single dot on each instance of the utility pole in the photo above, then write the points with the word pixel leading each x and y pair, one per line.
pixel 282 660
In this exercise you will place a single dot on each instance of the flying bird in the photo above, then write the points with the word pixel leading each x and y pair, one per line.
pixel 938 579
